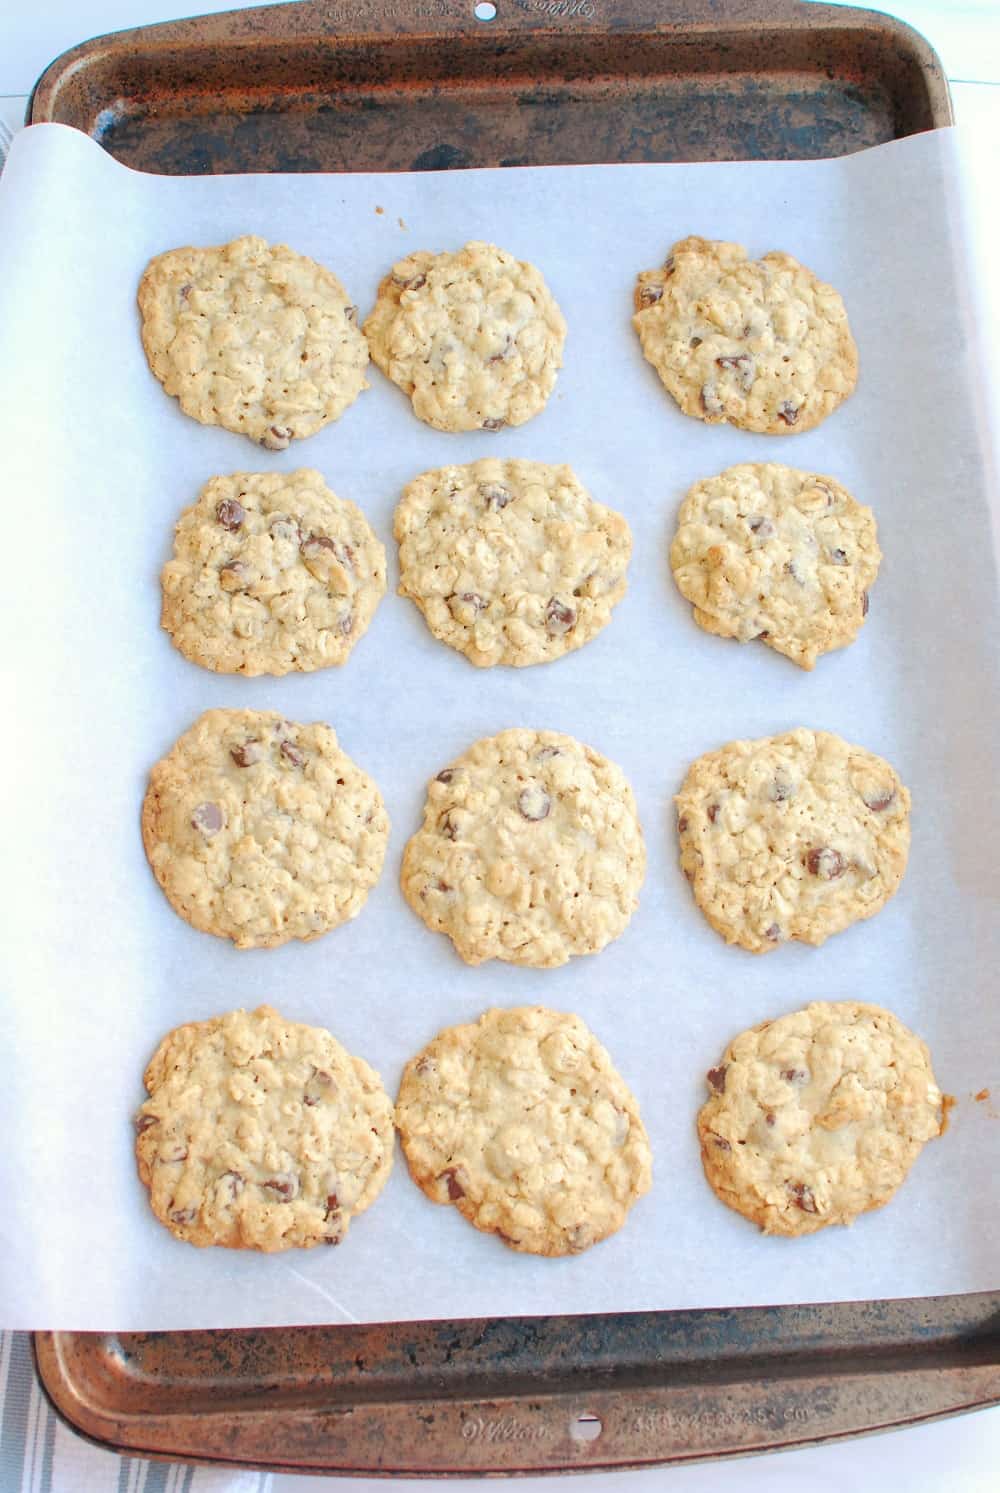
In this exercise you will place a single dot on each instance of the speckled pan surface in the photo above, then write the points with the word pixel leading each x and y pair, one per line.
pixel 763 79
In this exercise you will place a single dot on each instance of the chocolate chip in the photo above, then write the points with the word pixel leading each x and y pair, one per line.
pixel 545 753
pixel 495 495
pixel 742 365
pixel 277 437
pixel 448 826
pixel 795 1075
pixel 235 1183
pixel 879 799
pixel 144 1122
pixel 283 527
pixel 559 618
pixel 285 1185
pixel 711 403
pixel 722 1143
pixel 250 752
pixel 825 863
pixel 864 603
pixel 773 933
pixel 762 527
pixel 494 422
pixel 292 754
pixel 185 291
pixel 696 342
pixel 533 803
pixel 501 357
pixel 230 514
pixel 415 282
pixel 316 546
pixel 351 313
pixel 769 1119
pixel 235 576
pixel 682 823
pixel 467 601
pixel 445 775
pixel 650 294
pixel 717 1078
pixel 347 624
pixel 788 412
pixel 208 819
pixel 712 811
pixel 455 1188
pixel 183 1215
pixel 668 265
pixel 837 557
pixel 802 1196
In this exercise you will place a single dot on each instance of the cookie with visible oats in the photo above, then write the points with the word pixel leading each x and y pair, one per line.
pixel 791 837
pixel 758 343
pixel 511 562
pixel 253 337
pixel 474 338
pixel 271 572
pixel 521 1122
pixel 261 1133
pixel 531 851
pixel 818 1116
pixel 260 830
pixel 765 551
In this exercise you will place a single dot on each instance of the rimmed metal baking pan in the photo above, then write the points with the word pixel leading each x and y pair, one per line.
pixel 531 1394
pixel 423 84
pixel 401 85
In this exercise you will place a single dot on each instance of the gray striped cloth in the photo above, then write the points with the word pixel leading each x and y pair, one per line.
pixel 39 1454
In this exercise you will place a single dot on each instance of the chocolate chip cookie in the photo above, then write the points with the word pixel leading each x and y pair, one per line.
pixel 760 343
pixel 511 562
pixel 531 851
pixel 791 837
pixel 261 830
pixel 522 1123
pixel 261 1133
pixel 818 1116
pixel 765 551
pixel 271 572
pixel 253 337
pixel 475 338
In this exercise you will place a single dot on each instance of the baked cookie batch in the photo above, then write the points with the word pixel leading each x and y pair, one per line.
pixel 262 1133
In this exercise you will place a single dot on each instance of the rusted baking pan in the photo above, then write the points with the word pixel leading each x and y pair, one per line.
pixel 528 1395
pixel 401 85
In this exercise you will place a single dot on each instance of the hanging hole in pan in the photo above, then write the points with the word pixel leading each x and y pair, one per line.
pixel 585 1427
pixel 485 11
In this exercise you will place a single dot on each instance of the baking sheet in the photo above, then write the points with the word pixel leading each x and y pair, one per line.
pixel 96 966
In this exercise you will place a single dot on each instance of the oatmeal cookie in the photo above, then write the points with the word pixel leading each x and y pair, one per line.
pixel 511 562
pixel 765 551
pixel 791 837
pixel 261 830
pixel 474 338
pixel 818 1116
pixel 271 572
pixel 760 343
pixel 521 1121
pixel 253 337
pixel 531 851
pixel 261 1133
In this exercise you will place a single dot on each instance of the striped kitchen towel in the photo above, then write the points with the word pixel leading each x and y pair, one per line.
pixel 39 1454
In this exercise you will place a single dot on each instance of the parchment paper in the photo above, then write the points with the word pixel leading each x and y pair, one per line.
pixel 97 464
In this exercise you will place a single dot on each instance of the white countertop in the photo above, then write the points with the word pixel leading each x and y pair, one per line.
pixel 961 1455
